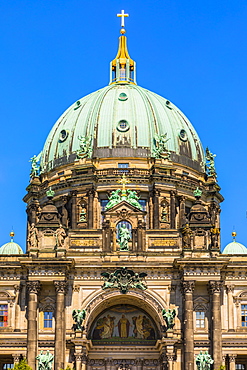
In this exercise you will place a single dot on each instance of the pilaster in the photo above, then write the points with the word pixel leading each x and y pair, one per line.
pixel 215 290
pixel 188 288
pixel 61 288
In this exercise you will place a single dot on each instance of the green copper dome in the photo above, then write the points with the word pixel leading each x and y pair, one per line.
pixel 121 120
pixel 11 247
pixel 235 248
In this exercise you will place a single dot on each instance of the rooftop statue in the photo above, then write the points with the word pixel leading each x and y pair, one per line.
pixel 79 318
pixel 85 147
pixel 204 361
pixel 35 166
pixel 169 316
pixel 124 279
pixel 210 166
pixel 124 237
pixel 160 149
pixel 33 238
pixel 45 360
pixel 114 199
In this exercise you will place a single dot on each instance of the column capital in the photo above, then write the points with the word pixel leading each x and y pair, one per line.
pixel 16 358
pixel 214 286
pixel 17 287
pixel 60 286
pixel 170 357
pixel 232 358
pixel 188 286
pixel 33 286
pixel 230 288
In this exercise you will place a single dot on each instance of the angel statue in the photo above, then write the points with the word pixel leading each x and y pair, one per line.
pixel 79 318
pixel 169 317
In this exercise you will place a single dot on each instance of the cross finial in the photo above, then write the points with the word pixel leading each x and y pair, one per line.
pixel 123 181
pixel 122 15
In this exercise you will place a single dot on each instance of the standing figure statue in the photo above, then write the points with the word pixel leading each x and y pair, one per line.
pixel 60 235
pixel 204 361
pixel 79 318
pixel 169 317
pixel 210 166
pixel 33 239
pixel 124 237
pixel 35 166
pixel 45 360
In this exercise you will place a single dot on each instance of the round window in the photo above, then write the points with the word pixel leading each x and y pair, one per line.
pixel 123 125
pixel 63 135
pixel 122 96
pixel 183 135
pixel 77 104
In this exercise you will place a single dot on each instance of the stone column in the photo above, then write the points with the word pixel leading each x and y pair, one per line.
pixel 17 307
pixel 73 215
pixel 230 307
pixel 156 209
pixel 84 362
pixel 173 209
pixel 108 363
pixel 188 288
pixel 78 361
pixel 90 195
pixel 170 361
pixel 60 287
pixel 33 288
pixel 215 289
pixel 232 363
pixel 139 363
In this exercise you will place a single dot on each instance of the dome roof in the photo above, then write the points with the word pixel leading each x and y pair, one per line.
pixel 122 120
pixel 11 247
pixel 235 248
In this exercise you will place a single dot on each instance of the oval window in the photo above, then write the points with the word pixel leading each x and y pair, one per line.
pixel 122 96
pixel 183 135
pixel 63 135
pixel 123 125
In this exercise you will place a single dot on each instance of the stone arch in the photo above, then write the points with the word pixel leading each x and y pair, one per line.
pixel 147 301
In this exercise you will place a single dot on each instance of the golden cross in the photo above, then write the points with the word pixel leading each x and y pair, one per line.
pixel 123 181
pixel 122 15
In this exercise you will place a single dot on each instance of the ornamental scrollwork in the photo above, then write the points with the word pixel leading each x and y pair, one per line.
pixel 124 279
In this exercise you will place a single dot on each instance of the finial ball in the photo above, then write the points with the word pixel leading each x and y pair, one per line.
pixel 122 31
pixel 12 234
pixel 234 234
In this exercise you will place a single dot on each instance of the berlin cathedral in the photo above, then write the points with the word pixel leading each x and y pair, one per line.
pixel 123 266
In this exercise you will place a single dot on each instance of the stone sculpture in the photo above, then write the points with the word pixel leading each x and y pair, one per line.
pixel 60 235
pixel 79 318
pixel 33 239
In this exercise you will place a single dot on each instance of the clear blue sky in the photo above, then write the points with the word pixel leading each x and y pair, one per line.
pixel 54 52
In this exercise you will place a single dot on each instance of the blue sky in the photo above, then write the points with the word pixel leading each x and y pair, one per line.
pixel 54 52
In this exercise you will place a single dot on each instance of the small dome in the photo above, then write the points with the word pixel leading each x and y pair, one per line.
pixel 11 247
pixel 234 247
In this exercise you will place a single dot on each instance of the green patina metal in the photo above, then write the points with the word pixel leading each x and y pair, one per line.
pixel 204 361
pixel 169 317
pixel 210 165
pixel 45 360
pixel 98 115
pixel 35 166
pixel 124 279
pixel 160 149
pixel 197 193
pixel 120 195
pixel 124 237
pixel 50 193
pixel 79 318
pixel 85 147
